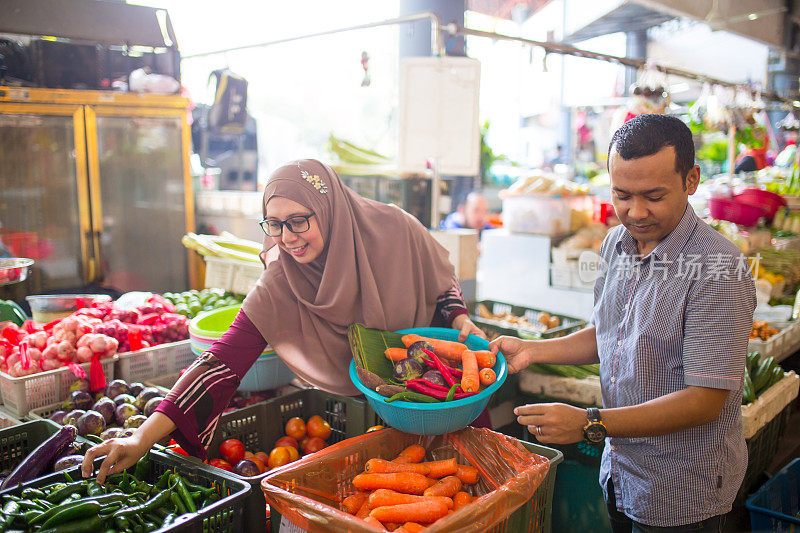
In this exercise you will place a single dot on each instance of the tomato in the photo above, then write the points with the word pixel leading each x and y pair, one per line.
pixel 303 443
pixel 232 450
pixel 296 428
pixel 294 455
pixel 179 450
pixel 279 456
pixel 313 445
pixel 219 463
pixel 287 441
pixel 262 466
pixel 249 455
pixel 375 428
pixel 318 427
pixel 263 457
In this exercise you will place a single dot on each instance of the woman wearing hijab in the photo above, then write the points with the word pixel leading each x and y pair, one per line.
pixel 331 259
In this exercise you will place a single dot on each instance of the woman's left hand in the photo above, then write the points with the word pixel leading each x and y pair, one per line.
pixel 467 327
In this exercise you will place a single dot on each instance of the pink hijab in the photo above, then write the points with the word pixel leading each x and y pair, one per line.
pixel 380 267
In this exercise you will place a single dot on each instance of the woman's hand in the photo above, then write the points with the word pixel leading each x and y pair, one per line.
pixel 516 352
pixel 466 327
pixel 120 454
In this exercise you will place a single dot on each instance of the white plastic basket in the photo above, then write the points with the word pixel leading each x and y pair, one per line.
pixel 7 420
pixel 235 276
pixel 20 395
pixel 159 360
pixel 769 404
pixel 781 345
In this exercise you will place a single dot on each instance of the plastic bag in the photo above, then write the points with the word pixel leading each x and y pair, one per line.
pixel 308 492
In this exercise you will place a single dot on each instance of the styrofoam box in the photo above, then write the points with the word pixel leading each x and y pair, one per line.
pixel 769 404
pixel 462 244
pixel 781 345
pixel 561 276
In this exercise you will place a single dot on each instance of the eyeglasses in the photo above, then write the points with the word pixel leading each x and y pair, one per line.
pixel 295 224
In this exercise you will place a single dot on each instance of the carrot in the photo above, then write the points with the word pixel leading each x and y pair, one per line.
pixel 486 359
pixel 470 382
pixel 440 469
pixel 373 522
pixel 413 454
pixel 487 376
pixel 384 497
pixel 413 527
pixel 395 354
pixel 448 486
pixel 410 339
pixel 391 526
pixel 405 482
pixel 467 474
pixel 460 500
pixel 448 349
pixel 380 466
pixel 424 512
pixel 354 502
pixel 363 510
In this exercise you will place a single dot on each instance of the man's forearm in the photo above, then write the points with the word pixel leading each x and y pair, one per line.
pixel 683 409
pixel 579 348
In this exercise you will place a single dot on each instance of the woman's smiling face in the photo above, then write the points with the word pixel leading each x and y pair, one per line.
pixel 304 247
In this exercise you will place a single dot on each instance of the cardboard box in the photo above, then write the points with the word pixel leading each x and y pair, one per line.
pixel 463 247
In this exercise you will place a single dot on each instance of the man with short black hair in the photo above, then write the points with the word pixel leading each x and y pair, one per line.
pixel 670 325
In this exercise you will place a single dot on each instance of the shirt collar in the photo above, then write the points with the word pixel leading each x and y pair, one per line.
pixel 671 245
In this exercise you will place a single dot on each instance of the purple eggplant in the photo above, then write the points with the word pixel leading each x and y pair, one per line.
pixel 40 458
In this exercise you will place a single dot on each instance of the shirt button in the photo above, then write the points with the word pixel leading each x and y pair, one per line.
pixel 619 343
pixel 613 379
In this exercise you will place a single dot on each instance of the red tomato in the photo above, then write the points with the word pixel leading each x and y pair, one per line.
pixel 313 445
pixel 287 441
pixel 219 463
pixel 296 428
pixel 264 457
pixel 262 466
pixel 232 450
pixel 318 427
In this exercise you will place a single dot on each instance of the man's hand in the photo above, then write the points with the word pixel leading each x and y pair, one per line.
pixel 556 423
pixel 467 327
pixel 516 352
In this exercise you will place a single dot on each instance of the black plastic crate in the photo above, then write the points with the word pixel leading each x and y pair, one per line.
pixel 567 324
pixel 761 449
pixel 223 515
pixel 258 427
pixel 16 442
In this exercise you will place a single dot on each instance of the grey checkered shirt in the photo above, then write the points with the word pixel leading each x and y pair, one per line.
pixel 679 317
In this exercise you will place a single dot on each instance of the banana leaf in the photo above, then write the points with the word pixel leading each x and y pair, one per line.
pixel 368 346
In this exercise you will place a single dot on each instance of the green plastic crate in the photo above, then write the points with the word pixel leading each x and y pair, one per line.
pixel 223 515
pixel 568 324
pixel 532 517
pixel 258 427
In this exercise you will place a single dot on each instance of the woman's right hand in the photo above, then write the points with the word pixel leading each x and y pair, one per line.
pixel 515 350
pixel 120 453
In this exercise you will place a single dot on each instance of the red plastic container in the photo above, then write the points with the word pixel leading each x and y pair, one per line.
pixel 768 201
pixel 735 211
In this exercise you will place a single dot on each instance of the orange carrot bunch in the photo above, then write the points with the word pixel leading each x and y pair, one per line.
pixel 407 493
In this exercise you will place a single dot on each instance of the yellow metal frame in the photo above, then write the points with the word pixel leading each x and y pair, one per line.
pixel 69 96
pixel 92 112
pixel 82 185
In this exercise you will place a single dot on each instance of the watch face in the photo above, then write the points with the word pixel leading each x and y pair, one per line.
pixel 595 433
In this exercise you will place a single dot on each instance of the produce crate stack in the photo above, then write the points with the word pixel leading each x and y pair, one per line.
pixel 500 318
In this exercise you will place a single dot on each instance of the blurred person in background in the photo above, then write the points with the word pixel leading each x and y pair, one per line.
pixel 472 214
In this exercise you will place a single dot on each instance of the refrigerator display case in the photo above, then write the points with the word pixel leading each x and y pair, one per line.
pixel 95 187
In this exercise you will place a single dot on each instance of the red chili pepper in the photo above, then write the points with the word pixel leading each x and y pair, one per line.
pixel 51 325
pixel 149 319
pixel 448 377
pixel 455 372
pixel 14 334
pixel 24 358
pixel 31 327
pixel 434 393
pixel 429 383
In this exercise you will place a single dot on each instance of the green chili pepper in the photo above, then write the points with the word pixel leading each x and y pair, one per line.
pixel 410 396
pixel 183 492
pixel 151 504
pixel 76 487
pixel 178 503
pixel 68 477
pixel 452 392
pixel 142 470
pixel 82 509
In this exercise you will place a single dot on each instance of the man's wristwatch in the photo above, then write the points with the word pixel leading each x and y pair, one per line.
pixel 594 431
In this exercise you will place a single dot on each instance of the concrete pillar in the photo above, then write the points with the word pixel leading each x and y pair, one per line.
pixel 415 38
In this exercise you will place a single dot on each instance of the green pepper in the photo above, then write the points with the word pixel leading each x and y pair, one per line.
pixel 183 492
pixel 68 477
pixel 35 494
pixel 84 525
pixel 94 438
pixel 452 392
pixel 178 503
pixel 142 470
pixel 153 503
pixel 163 481
pixel 94 489
pixel 410 396
pixel 52 511
pixel 76 487
pixel 81 509
pixel 169 519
